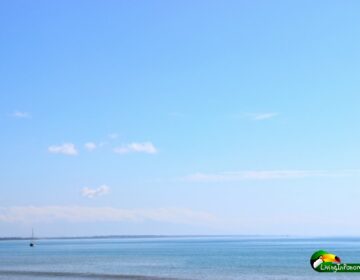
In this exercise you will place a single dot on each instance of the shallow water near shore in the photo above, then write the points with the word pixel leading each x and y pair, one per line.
pixel 213 258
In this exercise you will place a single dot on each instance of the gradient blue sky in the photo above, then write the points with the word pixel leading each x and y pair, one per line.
pixel 204 117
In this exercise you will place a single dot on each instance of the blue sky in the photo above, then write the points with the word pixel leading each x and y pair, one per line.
pixel 179 117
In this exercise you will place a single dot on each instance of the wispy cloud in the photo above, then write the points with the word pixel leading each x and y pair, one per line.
pixel 262 116
pixel 103 144
pixel 113 135
pixel 44 214
pixel 21 115
pixel 90 146
pixel 255 116
pixel 65 149
pixel 267 175
pixel 91 193
pixel 145 147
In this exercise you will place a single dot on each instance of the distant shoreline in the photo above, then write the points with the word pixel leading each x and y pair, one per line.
pixel 139 236
pixel 173 236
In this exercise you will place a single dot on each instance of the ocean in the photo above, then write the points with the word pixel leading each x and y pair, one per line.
pixel 177 258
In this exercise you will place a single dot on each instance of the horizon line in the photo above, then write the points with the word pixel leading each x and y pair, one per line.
pixel 124 236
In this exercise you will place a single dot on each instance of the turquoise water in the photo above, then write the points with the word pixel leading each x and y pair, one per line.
pixel 213 258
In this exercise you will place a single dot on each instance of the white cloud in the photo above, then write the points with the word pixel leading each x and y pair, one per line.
pixel 90 146
pixel 66 149
pixel 255 116
pixel 41 214
pixel 91 193
pixel 21 115
pixel 103 143
pixel 263 116
pixel 113 135
pixel 145 147
pixel 267 175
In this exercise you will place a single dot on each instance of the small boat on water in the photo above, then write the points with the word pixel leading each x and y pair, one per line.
pixel 32 241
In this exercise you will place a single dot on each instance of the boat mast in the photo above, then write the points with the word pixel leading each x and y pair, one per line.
pixel 32 241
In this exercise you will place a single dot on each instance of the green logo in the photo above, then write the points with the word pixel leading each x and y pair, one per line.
pixel 322 261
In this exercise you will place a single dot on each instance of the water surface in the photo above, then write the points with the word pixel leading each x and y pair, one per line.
pixel 198 258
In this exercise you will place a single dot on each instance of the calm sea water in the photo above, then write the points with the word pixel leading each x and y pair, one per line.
pixel 213 258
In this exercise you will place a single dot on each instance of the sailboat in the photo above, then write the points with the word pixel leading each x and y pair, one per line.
pixel 32 241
